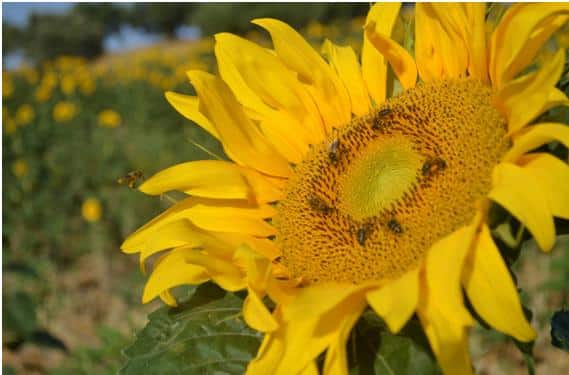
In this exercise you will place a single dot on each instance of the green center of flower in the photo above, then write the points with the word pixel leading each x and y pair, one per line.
pixel 370 200
pixel 386 170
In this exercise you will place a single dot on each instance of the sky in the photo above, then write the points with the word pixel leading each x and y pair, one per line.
pixel 128 37
pixel 17 13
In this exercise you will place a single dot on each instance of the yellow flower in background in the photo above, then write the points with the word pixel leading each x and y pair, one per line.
pixel 31 75
pixel 91 210
pixel 339 197
pixel 64 111
pixel 49 79
pixel 315 29
pixel 109 118
pixel 10 125
pixel 43 93
pixel 25 114
pixel 87 87
pixel 67 85
pixel 20 168
pixel 7 86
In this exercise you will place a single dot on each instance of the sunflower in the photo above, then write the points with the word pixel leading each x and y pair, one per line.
pixel 340 196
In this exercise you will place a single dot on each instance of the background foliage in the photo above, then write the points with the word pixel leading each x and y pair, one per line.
pixel 72 126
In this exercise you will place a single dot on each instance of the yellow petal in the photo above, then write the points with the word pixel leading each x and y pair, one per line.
pixel 451 44
pixel 269 353
pixel 536 136
pixel 282 291
pixel 265 79
pixel 492 292
pixel 188 106
pixel 256 313
pixel 449 343
pixel 232 73
pixel 231 219
pixel 184 233
pixel 321 298
pixel 315 334
pixel 396 301
pixel 345 63
pixel 282 137
pixel 443 268
pixel 553 175
pixel 440 50
pixel 336 362
pixel 173 234
pixel 223 272
pixel 298 342
pixel 211 215
pixel 477 51
pixel 258 267
pixel 400 60
pixel 519 192
pixel 170 272
pixel 374 65
pixel 264 247
pixel 213 179
pixel 429 59
pixel 325 86
pixel 311 369
pixel 241 140
pixel 168 298
pixel 521 33
pixel 524 99
pixel 441 310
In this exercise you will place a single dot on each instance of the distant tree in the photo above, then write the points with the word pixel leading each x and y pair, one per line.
pixel 110 16
pixel 235 17
pixel 12 38
pixel 161 17
pixel 49 36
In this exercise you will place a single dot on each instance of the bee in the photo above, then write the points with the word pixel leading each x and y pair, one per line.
pixel 319 205
pixel 363 233
pixel 432 166
pixel 131 179
pixel 333 150
pixel 394 226
pixel 380 115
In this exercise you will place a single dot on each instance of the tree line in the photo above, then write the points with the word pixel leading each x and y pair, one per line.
pixel 82 30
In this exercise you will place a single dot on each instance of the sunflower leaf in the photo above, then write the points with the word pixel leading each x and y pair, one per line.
pixel 205 334
pixel 374 350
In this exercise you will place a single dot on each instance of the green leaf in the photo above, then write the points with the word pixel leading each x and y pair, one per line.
pixel 377 351
pixel 19 315
pixel 205 335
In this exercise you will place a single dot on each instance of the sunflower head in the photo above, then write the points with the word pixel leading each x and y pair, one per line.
pixel 360 206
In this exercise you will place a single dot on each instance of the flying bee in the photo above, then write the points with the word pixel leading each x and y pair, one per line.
pixel 319 205
pixel 333 150
pixel 379 117
pixel 131 179
pixel 394 226
pixel 432 166
pixel 363 233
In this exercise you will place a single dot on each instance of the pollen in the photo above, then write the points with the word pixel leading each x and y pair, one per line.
pixel 369 201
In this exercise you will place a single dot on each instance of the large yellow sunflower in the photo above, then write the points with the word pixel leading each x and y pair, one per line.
pixel 338 197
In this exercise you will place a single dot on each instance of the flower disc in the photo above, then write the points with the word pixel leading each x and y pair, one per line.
pixel 367 203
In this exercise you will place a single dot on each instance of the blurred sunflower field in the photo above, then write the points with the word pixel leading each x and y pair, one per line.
pixel 78 135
